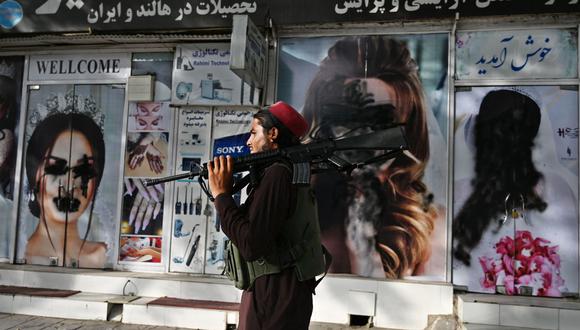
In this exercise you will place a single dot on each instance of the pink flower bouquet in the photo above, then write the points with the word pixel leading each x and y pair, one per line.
pixel 526 266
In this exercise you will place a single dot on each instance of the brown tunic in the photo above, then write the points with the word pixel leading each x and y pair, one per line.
pixel 277 301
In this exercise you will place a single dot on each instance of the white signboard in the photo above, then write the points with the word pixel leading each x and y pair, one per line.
pixel 79 66
pixel 202 76
pixel 517 54
pixel 248 51
pixel 192 211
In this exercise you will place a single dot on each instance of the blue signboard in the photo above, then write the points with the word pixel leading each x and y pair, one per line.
pixel 233 145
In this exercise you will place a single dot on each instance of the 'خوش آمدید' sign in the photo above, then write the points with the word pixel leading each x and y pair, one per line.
pixel 545 53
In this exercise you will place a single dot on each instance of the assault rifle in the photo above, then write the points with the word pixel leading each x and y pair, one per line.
pixel 310 158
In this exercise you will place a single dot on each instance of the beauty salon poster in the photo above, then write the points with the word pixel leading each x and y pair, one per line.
pixel 353 91
pixel 147 155
pixel 515 209
pixel 71 175
pixel 10 91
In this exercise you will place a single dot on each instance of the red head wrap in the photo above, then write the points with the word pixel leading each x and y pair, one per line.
pixel 290 118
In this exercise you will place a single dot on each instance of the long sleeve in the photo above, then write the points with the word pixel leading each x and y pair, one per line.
pixel 254 227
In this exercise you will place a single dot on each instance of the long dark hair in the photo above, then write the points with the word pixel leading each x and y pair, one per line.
pixel 8 94
pixel 505 128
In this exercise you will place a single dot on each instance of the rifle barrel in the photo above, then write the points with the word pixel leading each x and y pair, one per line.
pixel 152 182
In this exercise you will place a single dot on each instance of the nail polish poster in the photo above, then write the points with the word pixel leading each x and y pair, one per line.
pixel 140 249
pixel 146 154
pixel 11 69
pixel 142 208
pixel 202 76
pixel 231 129
pixel 149 116
pixel 189 205
pixel 515 211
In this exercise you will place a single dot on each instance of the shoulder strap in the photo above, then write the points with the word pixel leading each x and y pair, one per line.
pixel 327 262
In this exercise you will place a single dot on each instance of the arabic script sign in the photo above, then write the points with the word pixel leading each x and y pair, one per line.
pixel 27 16
pixel 517 54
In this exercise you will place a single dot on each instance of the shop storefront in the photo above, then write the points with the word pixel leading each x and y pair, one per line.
pixel 140 90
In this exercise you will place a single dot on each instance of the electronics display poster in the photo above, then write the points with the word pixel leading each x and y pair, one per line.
pixel 190 207
pixel 72 139
pixel 190 221
pixel 158 64
pixel 515 219
pixel 394 229
pixel 11 69
pixel 202 76
pixel 231 129
pixel 532 54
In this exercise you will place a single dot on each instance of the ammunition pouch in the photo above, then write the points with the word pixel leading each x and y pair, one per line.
pixel 244 273
pixel 300 249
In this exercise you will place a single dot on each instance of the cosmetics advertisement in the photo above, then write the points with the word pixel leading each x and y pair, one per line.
pixel 347 85
pixel 71 129
pixel 11 69
pixel 515 222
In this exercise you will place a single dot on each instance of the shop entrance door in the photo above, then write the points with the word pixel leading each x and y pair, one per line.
pixel 72 137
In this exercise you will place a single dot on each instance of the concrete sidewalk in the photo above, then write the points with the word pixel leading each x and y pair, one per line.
pixel 17 322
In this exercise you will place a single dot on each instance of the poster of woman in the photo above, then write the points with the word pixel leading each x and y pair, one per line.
pixel 515 214
pixel 386 220
pixel 72 135
pixel 10 91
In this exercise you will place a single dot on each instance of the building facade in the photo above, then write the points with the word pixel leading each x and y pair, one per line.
pixel 102 96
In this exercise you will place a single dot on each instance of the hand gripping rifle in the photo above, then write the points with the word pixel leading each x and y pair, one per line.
pixel 306 159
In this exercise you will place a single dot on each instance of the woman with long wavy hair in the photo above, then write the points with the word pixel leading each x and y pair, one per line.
pixel 377 221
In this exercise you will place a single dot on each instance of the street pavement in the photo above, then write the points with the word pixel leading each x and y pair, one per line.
pixel 29 322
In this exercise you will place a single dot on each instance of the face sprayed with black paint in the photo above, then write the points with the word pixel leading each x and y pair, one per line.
pixel 374 220
pixel 363 106
pixel 67 186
